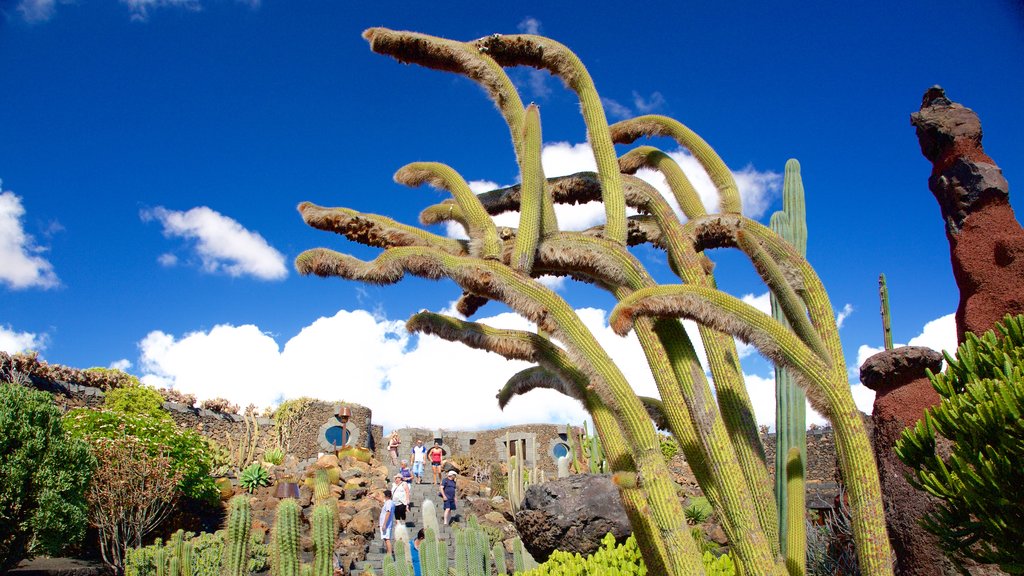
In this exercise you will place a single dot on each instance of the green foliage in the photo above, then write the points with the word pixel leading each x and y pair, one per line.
pixel 698 510
pixel 188 451
pixel 980 485
pixel 259 554
pixel 617 559
pixel 207 551
pixel 669 447
pixel 139 400
pixel 274 456
pixel 253 477
pixel 44 475
pixel 197 556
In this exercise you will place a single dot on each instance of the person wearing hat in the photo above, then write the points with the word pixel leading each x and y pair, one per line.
pixel 400 493
pixel 448 495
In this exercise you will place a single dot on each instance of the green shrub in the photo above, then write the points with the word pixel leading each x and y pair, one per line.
pixel 622 559
pixel 43 477
pixel 669 447
pixel 140 400
pixel 188 451
pixel 980 485
pixel 274 456
pixel 254 477
pixel 207 549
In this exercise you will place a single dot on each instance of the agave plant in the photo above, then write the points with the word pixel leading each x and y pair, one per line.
pixel 716 432
pixel 253 477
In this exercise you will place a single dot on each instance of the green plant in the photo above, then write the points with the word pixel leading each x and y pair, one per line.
pixel 715 431
pixel 207 550
pixel 883 296
pixel 498 557
pixel 325 528
pixel 285 539
pixel 790 224
pixel 669 447
pixel 191 555
pixel 287 413
pixel 259 554
pixel 188 451
pixel 244 453
pixel 321 486
pixel 43 477
pixel 238 537
pixel 698 511
pixel 980 514
pixel 140 400
pixel 253 477
pixel 274 456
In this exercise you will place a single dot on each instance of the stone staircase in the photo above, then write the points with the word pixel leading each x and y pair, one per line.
pixel 414 522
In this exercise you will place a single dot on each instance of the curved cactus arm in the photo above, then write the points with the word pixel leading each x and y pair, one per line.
pixel 445 211
pixel 460 58
pixel 532 196
pixel 792 306
pixel 539 52
pixel 374 230
pixel 628 131
pixel 539 304
pixel 828 394
pixel 650 157
pixel 482 233
pixel 558 373
pixel 732 397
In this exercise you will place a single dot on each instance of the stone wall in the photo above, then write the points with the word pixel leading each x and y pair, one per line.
pixel 539 441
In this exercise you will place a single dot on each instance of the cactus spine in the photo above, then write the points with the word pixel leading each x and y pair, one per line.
pixel 236 547
pixel 321 486
pixel 883 295
pixel 796 530
pixel 285 539
pixel 790 411
pixel 498 554
pixel 461 552
pixel 325 522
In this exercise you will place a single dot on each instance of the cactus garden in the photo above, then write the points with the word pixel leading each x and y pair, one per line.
pixel 551 305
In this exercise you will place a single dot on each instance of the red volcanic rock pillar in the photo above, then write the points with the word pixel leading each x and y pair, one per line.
pixel 986 242
pixel 902 394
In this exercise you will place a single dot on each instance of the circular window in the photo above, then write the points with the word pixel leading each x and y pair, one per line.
pixel 560 450
pixel 337 436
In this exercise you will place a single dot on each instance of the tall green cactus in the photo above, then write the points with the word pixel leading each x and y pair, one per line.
pixel 285 539
pixel 325 528
pixel 883 295
pixel 160 559
pixel 321 486
pixel 716 432
pixel 236 546
pixel 498 555
pixel 790 412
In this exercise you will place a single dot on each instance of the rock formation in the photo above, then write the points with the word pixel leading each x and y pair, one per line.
pixel 902 394
pixel 986 242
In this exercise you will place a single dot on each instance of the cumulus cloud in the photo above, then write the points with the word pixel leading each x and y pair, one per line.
pixel 36 10
pixel 21 266
pixel 13 342
pixel 222 244
pixel 123 364
pixel 843 314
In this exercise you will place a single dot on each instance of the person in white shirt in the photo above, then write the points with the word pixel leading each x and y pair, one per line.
pixel 401 493
pixel 419 456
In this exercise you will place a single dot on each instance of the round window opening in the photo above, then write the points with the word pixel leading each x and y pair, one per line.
pixel 337 436
pixel 560 450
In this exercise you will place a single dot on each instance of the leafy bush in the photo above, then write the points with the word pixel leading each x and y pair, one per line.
pixel 980 485
pixel 140 400
pixel 189 452
pixel 254 477
pixel 623 559
pixel 274 456
pixel 43 477
pixel 207 549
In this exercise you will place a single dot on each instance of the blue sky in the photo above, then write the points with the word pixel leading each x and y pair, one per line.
pixel 152 153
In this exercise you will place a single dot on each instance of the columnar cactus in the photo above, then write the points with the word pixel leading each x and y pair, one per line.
pixel 883 296
pixel 790 224
pixel 236 545
pixel 498 555
pixel 429 513
pixel 716 432
pixel 325 528
pixel 321 486
pixel 285 539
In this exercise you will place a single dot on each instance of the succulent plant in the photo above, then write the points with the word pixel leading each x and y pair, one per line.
pixel 253 477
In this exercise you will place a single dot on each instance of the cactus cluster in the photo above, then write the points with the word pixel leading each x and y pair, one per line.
pixel 433 552
pixel 473 555
pixel 716 431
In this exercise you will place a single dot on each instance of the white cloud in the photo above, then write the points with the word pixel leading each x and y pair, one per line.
pixel 42 10
pixel 221 243
pixel 616 110
pixel 529 25
pixel 167 260
pixel 20 263
pixel 843 315
pixel 648 104
pixel 123 364
pixel 140 8
pixel 36 10
pixel 13 342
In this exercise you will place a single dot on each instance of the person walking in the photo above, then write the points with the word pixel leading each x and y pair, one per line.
pixel 405 472
pixel 435 455
pixel 401 495
pixel 414 553
pixel 448 495
pixel 419 456
pixel 387 522
pixel 393 445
